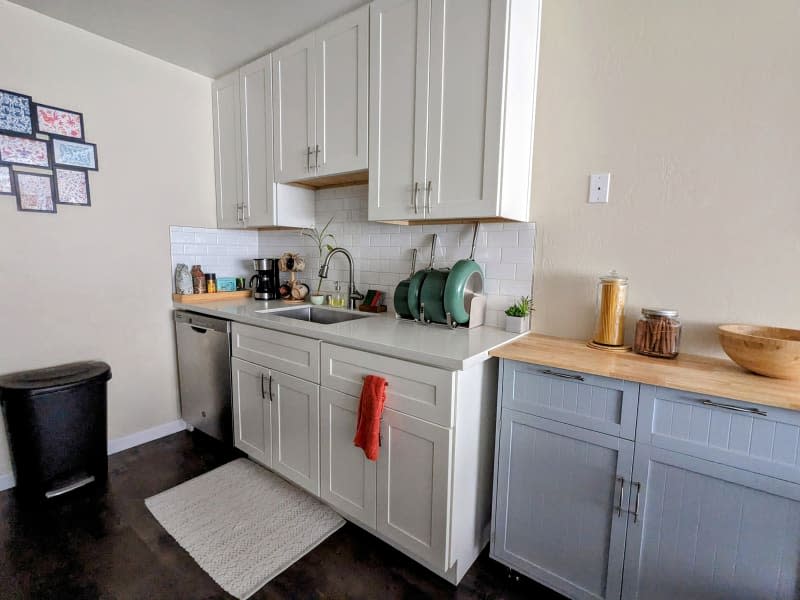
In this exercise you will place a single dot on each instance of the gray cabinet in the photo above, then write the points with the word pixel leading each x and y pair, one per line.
pixel 709 531
pixel 560 505
pixel 252 419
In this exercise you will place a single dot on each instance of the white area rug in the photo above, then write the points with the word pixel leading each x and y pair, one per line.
pixel 242 524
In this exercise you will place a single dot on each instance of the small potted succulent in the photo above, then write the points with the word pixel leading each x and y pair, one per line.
pixel 518 315
pixel 320 239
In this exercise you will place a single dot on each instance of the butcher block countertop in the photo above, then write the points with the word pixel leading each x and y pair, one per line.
pixel 698 374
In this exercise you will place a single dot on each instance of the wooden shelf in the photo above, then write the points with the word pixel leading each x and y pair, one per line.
pixel 698 374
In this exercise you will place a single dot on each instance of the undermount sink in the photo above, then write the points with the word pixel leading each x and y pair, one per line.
pixel 324 316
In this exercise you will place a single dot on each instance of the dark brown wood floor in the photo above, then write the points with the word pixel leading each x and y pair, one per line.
pixel 105 544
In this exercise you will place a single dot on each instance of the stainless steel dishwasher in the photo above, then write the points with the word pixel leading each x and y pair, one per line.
pixel 204 373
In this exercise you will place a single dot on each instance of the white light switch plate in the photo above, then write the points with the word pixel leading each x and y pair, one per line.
pixel 598 188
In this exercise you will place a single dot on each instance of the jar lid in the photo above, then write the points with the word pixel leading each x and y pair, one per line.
pixel 659 312
pixel 614 277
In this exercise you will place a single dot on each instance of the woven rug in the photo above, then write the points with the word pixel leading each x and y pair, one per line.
pixel 242 524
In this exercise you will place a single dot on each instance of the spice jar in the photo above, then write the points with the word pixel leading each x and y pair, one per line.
pixel 211 283
pixel 658 333
pixel 612 291
pixel 198 280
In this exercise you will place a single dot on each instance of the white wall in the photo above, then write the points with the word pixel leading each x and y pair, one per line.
pixel 694 107
pixel 92 283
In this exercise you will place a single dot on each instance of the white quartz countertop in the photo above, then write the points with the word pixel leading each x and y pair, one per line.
pixel 434 345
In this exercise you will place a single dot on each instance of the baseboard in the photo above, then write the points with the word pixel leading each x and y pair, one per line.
pixel 119 444
pixel 148 435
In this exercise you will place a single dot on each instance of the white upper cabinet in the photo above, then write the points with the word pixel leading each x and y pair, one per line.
pixel 452 98
pixel 321 96
pixel 227 148
pixel 247 194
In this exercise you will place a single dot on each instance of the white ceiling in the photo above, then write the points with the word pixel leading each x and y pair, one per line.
pixel 210 37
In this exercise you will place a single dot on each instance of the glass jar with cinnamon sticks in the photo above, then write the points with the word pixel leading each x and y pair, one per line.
pixel 658 333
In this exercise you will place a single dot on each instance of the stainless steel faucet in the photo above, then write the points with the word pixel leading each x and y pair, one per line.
pixel 352 293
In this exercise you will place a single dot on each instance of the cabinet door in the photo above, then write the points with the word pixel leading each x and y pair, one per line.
pixel 342 91
pixel 710 531
pixel 347 478
pixel 560 513
pixel 227 150
pixel 251 410
pixel 414 482
pixel 293 110
pixel 398 100
pixel 255 90
pixel 295 430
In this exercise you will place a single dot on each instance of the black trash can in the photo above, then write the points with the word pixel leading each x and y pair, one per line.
pixel 56 422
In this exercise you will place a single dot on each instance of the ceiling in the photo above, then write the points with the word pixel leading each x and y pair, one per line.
pixel 210 37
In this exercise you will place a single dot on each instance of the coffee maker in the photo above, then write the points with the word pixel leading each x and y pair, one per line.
pixel 266 278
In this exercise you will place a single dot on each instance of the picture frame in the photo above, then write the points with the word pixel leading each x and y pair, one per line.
pixel 35 192
pixel 51 120
pixel 69 153
pixel 28 152
pixel 16 114
pixel 6 181
pixel 72 187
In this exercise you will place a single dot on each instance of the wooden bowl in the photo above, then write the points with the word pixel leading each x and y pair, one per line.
pixel 770 351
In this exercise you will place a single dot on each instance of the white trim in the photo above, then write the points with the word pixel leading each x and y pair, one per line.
pixel 119 444
pixel 148 435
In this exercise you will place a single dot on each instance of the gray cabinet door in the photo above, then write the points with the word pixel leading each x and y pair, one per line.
pixel 558 516
pixel 252 420
pixel 710 531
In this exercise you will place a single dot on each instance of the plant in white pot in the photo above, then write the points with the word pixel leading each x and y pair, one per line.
pixel 320 239
pixel 518 316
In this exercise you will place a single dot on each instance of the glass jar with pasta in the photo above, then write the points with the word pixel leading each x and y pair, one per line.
pixel 612 291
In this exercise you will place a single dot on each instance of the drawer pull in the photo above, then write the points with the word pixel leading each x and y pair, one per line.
pixel 563 375
pixel 636 506
pixel 752 411
pixel 621 495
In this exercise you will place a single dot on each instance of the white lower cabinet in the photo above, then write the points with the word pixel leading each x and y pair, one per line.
pixel 347 478
pixel 295 430
pixel 414 485
pixel 252 422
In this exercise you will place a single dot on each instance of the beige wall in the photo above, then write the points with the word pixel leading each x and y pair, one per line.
pixel 694 107
pixel 95 282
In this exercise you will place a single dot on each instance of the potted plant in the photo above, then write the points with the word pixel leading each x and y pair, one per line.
pixel 518 316
pixel 321 240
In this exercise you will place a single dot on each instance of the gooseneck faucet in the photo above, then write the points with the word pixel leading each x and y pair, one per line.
pixel 352 293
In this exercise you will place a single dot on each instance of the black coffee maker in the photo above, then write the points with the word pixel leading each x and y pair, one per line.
pixel 266 279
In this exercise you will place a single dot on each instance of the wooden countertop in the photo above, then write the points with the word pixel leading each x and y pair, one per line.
pixel 699 374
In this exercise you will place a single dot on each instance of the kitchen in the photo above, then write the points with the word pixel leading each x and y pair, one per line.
pixel 689 107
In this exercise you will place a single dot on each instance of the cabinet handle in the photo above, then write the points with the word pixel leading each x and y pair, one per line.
pixel 308 158
pixel 414 194
pixel 621 495
pixel 636 505
pixel 270 387
pixel 562 375
pixel 428 196
pixel 752 411
pixel 263 393
pixel 238 213
pixel 316 158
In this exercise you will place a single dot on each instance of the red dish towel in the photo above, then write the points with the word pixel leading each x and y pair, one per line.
pixel 370 409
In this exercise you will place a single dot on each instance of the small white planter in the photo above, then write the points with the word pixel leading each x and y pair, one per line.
pixel 518 324
pixel 317 298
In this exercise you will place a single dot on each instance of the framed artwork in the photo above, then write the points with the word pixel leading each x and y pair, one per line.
pixel 15 114
pixel 24 151
pixel 58 121
pixel 74 154
pixel 6 181
pixel 35 192
pixel 72 187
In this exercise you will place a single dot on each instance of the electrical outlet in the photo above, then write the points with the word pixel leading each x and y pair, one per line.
pixel 598 188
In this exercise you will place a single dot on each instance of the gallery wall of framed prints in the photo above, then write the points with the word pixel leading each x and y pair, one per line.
pixel 44 157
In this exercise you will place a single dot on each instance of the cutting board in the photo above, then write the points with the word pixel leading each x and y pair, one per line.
pixel 215 297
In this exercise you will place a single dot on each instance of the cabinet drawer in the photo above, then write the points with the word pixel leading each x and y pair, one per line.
pixel 416 390
pixel 748 436
pixel 291 354
pixel 588 401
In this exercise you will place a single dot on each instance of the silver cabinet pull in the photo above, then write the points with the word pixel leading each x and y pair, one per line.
pixel 269 386
pixel 562 375
pixel 414 194
pixel 309 151
pixel 621 495
pixel 428 196
pixel 752 411
pixel 316 158
pixel 238 213
pixel 263 393
pixel 636 505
